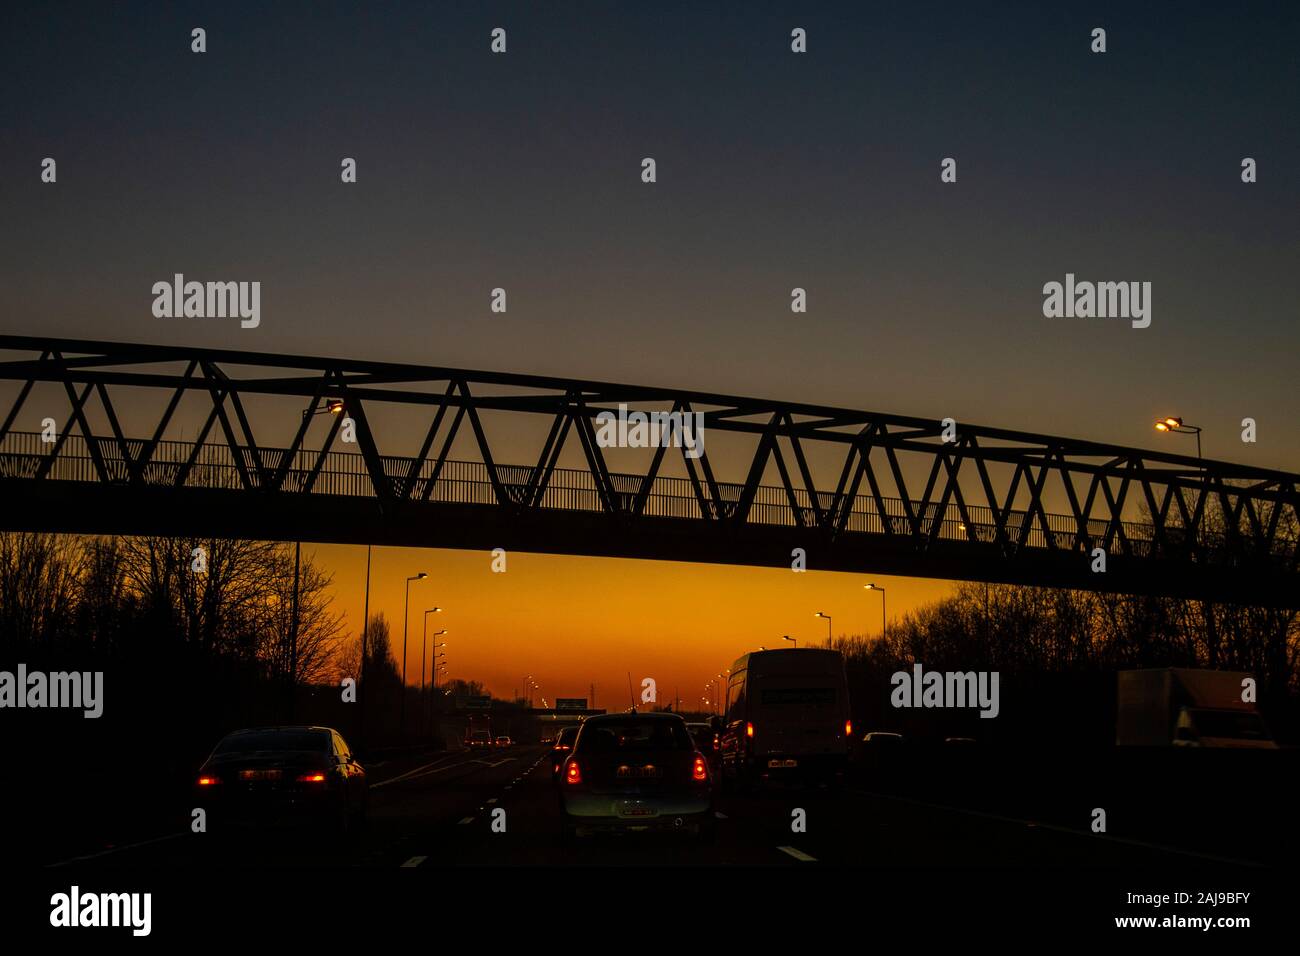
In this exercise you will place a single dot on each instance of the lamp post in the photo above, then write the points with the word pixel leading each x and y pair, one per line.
pixel 828 625
pixel 877 587
pixel 406 613
pixel 792 640
pixel 424 640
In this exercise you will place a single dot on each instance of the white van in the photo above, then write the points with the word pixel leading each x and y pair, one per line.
pixel 787 716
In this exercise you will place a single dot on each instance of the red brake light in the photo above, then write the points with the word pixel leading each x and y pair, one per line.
pixel 571 772
pixel 701 771
pixel 749 729
pixel 717 744
pixel 208 781
pixel 312 778
pixel 848 728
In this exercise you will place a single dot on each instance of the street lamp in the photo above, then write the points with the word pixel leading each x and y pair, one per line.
pixel 877 587
pixel 424 638
pixel 828 625
pixel 333 406
pixel 1178 427
pixel 406 613
pixel 792 640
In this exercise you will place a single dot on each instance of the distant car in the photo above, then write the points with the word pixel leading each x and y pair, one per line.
pixel 882 738
pixel 561 749
pixel 283 775
pixel 503 741
pixel 479 740
pixel 636 772
pixel 708 740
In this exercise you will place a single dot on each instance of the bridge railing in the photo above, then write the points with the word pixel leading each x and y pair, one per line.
pixel 212 465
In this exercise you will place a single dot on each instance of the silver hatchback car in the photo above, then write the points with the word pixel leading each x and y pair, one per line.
pixel 636 772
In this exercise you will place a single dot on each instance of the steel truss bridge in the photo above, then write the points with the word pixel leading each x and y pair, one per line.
pixel 858 491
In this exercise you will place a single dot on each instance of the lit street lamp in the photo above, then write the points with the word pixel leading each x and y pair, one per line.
pixel 1178 427
pixel 792 640
pixel 877 587
pixel 828 625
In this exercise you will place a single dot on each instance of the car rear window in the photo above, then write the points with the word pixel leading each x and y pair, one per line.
pixel 313 740
pixel 634 735
pixel 567 735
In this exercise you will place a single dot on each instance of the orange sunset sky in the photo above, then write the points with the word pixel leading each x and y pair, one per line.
pixel 573 621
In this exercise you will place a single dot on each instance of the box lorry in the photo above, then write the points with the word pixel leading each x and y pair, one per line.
pixel 1186 707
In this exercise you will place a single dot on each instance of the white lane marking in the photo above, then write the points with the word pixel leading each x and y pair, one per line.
pixel 798 854
pixel 415 861
pixel 492 800
pixel 719 814
pixel 488 764
pixel 1036 824
pixel 119 849
pixel 466 820
pixel 412 773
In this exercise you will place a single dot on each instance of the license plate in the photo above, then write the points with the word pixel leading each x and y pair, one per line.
pixel 774 764
pixel 649 770
pixel 259 775
pixel 637 812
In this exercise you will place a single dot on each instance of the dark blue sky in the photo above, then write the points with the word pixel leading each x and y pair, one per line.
pixel 775 170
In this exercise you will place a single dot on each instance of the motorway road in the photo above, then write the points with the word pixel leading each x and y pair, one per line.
pixel 438 811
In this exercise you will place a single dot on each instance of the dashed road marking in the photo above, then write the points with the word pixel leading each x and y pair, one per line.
pixel 119 849
pixel 798 854
pixel 420 771
pixel 719 814
pixel 466 820
pixel 415 861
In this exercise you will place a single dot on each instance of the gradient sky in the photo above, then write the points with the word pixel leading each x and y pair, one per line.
pixel 775 171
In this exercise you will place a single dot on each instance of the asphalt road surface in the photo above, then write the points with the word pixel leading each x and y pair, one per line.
pixel 439 810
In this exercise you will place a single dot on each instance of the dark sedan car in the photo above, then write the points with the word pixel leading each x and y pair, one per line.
pixel 282 776
pixel 633 772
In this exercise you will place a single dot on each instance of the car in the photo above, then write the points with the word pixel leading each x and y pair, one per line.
pixel 562 747
pixel 478 739
pixel 708 740
pixel 283 776
pixel 503 741
pixel 882 738
pixel 636 772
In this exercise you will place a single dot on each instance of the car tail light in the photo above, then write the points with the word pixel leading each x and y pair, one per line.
pixel 572 774
pixel 208 781
pixel 848 728
pixel 701 771
pixel 311 778
pixel 749 729
pixel 717 744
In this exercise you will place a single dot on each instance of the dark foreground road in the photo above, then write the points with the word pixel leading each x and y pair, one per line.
pixel 440 812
